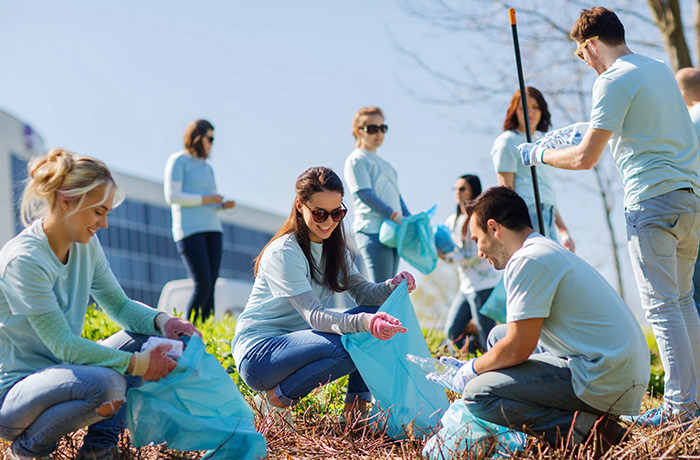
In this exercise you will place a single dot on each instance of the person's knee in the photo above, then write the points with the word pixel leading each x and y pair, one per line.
pixel 496 334
pixel 110 407
pixel 110 392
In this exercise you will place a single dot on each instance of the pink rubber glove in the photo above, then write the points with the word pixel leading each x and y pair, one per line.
pixel 153 365
pixel 175 328
pixel 383 326
pixel 410 281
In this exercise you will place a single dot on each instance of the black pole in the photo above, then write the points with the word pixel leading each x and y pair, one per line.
pixel 523 99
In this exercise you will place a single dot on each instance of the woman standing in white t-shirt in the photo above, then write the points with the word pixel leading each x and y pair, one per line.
pixel 286 343
pixel 477 278
pixel 374 186
pixel 511 172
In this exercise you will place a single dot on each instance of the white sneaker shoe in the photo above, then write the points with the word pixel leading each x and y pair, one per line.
pixel 281 415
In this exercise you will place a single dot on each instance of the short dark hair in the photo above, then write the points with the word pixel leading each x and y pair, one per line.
pixel 600 22
pixel 194 133
pixel 504 206
pixel 511 121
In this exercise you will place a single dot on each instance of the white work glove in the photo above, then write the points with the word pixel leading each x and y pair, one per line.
pixel 531 153
pixel 454 381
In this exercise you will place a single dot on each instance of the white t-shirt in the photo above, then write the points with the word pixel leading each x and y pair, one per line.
pixel 283 272
pixel 506 159
pixel 694 112
pixel 475 273
pixel 367 170
pixel 585 321
pixel 653 141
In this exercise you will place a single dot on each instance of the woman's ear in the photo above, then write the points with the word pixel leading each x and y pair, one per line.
pixel 298 205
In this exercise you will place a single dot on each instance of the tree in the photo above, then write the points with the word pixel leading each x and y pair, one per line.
pixel 544 38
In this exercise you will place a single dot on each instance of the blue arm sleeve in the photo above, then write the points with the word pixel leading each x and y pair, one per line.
pixel 371 199
pixel 404 208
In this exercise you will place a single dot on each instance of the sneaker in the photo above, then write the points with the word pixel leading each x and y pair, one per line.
pixel 652 417
pixel 282 415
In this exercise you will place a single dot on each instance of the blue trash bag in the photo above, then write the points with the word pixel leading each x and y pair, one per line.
pixel 416 242
pixel 405 402
pixel 195 407
pixel 388 233
pixel 443 238
pixel 462 431
pixel 495 305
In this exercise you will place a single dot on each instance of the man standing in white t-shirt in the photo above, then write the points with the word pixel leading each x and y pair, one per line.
pixel 571 352
pixel 639 112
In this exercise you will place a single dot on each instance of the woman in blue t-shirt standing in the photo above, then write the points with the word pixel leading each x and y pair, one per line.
pixel 190 190
pixel 286 343
pixel 374 186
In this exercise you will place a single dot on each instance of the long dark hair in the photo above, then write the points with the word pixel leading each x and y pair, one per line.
pixel 474 185
pixel 511 121
pixel 335 274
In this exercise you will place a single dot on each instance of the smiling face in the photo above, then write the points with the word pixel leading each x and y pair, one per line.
pixel 325 200
pixel 490 247
pixel 368 141
pixel 80 225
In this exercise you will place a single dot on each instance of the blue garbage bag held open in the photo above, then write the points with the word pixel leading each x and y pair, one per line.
pixel 462 431
pixel 415 241
pixel 195 407
pixel 404 400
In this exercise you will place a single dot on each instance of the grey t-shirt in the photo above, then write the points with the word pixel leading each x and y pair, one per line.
pixel 585 321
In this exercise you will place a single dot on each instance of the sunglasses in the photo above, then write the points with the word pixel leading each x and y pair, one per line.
pixel 320 215
pixel 460 189
pixel 374 129
pixel 579 50
pixel 210 139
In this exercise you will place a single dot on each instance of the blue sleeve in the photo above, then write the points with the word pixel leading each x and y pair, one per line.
pixel 371 199
pixel 404 208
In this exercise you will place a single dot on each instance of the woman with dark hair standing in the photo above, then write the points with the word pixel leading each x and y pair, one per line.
pixel 286 343
pixel 511 172
pixel 477 278
pixel 190 190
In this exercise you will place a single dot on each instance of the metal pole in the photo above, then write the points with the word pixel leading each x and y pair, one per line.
pixel 523 101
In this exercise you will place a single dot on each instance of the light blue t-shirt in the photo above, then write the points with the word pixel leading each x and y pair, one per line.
pixel 506 159
pixel 34 282
pixel 585 321
pixel 196 177
pixel 653 141
pixel 283 272
pixel 367 170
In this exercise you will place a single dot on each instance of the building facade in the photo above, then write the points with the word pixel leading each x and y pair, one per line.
pixel 138 242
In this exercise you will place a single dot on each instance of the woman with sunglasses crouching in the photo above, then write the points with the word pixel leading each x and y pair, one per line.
pixel 286 343
pixel 52 381
pixel 374 186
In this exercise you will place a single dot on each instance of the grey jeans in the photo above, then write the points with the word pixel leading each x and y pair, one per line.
pixel 534 397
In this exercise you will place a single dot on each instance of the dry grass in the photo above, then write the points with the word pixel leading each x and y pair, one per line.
pixel 316 436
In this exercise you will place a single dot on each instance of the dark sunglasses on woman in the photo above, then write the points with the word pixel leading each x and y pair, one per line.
pixel 374 129
pixel 320 215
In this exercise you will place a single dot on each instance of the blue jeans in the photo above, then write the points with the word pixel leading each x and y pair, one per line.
pixel 380 262
pixel 201 254
pixel 535 397
pixel 44 406
pixel 462 311
pixel 295 364
pixel 547 217
pixel 663 234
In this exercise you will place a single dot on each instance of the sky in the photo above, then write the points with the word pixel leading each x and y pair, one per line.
pixel 279 80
